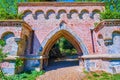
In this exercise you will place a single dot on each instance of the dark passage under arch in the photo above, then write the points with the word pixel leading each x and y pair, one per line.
pixel 50 43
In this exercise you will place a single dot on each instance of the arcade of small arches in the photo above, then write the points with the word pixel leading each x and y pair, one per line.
pixel 51 13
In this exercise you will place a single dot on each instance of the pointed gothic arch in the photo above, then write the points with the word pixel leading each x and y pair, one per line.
pixel 66 32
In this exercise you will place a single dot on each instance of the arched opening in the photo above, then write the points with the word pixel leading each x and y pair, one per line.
pixel 39 14
pixel 116 38
pixel 27 15
pixel 50 45
pixel 61 14
pixel 73 13
pixel 62 54
pixel 114 43
pixel 50 14
pixel 94 12
pixel 100 39
pixel 100 36
pixel 95 15
pixel 11 45
pixel 7 35
pixel 84 14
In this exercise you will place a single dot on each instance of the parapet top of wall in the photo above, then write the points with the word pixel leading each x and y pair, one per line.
pixel 61 4
pixel 107 23
pixel 14 23
pixel 44 10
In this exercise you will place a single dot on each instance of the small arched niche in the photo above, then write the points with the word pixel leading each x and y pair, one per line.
pixel 100 40
pixel 39 14
pixel 84 14
pixel 7 35
pixel 61 14
pixel 27 15
pixel 100 36
pixel 50 14
pixel 73 13
pixel 11 46
pixel 116 37
pixel 95 15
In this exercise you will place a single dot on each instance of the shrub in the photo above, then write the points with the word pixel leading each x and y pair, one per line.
pixel 26 76
pixel 108 14
pixel 101 75
pixel 2 42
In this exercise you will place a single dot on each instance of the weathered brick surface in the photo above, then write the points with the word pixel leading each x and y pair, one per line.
pixel 74 21
pixel 43 19
pixel 19 29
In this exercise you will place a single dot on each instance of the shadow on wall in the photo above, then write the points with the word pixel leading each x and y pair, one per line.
pixel 32 64
pixel 61 64
pixel 115 46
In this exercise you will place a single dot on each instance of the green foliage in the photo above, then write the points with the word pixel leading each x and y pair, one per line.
pixel 26 76
pixel 112 5
pixel 96 23
pixel 18 62
pixel 2 42
pixel 116 76
pixel 36 0
pixel 95 74
pixel 108 14
pixel 112 10
pixel 2 55
pixel 65 46
pixel 8 10
pixel 101 76
pixel 86 72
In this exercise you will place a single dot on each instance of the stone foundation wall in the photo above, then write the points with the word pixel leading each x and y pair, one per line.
pixel 111 66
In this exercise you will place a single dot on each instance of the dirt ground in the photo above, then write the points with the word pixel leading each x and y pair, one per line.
pixel 67 73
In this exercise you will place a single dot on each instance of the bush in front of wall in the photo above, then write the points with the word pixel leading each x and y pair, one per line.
pixel 26 76
pixel 2 42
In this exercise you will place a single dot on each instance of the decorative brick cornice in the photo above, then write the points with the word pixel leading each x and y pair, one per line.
pixel 61 4
pixel 14 23
pixel 107 22
pixel 10 22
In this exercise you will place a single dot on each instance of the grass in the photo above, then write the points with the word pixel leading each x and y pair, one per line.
pixel 25 76
pixel 101 75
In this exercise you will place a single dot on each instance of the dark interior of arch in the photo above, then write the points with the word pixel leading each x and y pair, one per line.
pixel 62 47
pixel 58 35
pixel 62 54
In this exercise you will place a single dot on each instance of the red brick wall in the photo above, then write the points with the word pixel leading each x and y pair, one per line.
pixel 44 26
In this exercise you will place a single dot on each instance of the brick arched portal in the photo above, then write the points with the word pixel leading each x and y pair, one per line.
pixel 67 33
pixel 51 20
